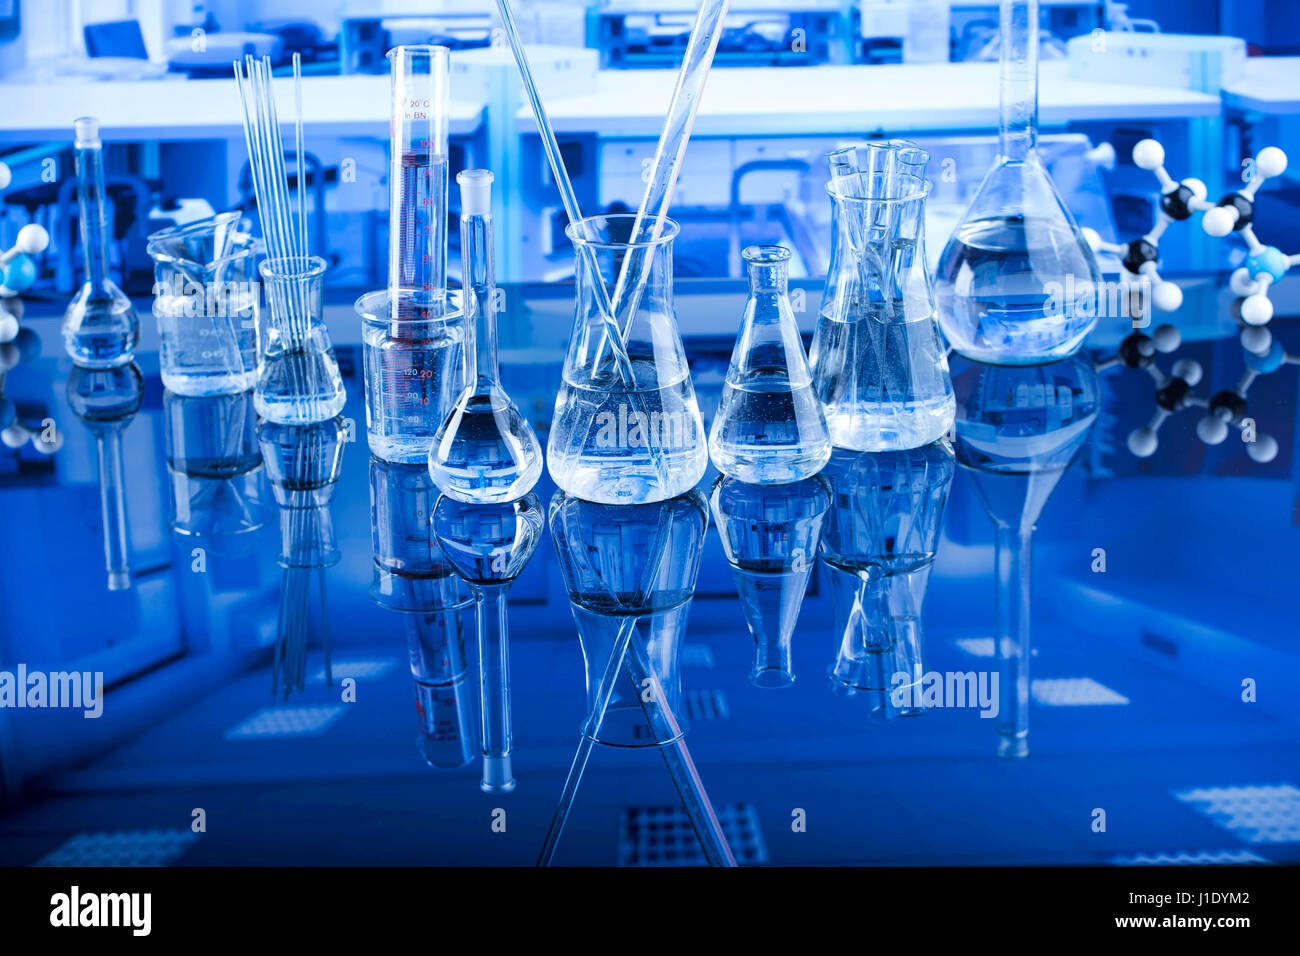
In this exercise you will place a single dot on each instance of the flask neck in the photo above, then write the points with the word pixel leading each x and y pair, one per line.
pixel 768 279
pixel 94 225
pixel 480 301
pixel 1018 71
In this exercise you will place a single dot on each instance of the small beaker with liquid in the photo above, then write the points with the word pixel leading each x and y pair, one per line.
pixel 205 303
pixel 413 349
pixel 627 426
pixel 298 380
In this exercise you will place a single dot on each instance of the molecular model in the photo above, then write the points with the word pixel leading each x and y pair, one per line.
pixel 17 273
pixel 1265 266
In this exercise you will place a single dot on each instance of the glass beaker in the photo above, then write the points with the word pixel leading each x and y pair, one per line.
pixel 205 303
pixel 100 327
pixel 413 349
pixel 1017 284
pixel 214 463
pixel 770 428
pixel 298 380
pixel 625 433
pixel 879 366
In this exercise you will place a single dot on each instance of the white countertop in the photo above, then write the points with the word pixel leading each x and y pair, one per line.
pixel 1271 85
pixel 838 99
pixel 171 110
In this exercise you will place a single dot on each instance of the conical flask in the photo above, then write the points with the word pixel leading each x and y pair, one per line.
pixel 770 536
pixel 485 451
pixel 879 366
pixel 770 428
pixel 625 432
pixel 1017 284
pixel 1018 429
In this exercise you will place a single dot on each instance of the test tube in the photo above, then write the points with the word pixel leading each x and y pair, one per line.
pixel 417 182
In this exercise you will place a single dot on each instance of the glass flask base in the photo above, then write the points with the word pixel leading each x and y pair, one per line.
pixel 203 384
pixel 400 450
pixel 771 678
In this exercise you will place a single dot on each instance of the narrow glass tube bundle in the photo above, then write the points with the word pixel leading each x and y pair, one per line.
pixel 100 326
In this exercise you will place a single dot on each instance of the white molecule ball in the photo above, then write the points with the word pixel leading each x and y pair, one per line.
pixel 1256 310
pixel 15 436
pixel 1198 188
pixel 8 327
pixel 32 239
pixel 1093 238
pixel 1166 338
pixel 1189 370
pixel 1167 296
pixel 1256 339
pixel 1148 154
pixel 1142 442
pixel 1263 449
pixel 1219 220
pixel 1270 161
pixel 5 176
pixel 1212 429
pixel 1242 284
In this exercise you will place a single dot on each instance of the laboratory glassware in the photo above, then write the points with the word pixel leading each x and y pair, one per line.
pixel 411 576
pixel 613 439
pixel 770 428
pixel 100 326
pixel 107 400
pixel 1017 283
pixel 770 536
pixel 489 546
pixel 205 304
pixel 298 379
pixel 631 569
pixel 214 463
pixel 303 463
pixel 879 366
pixel 884 527
pixel 485 451
pixel 1018 430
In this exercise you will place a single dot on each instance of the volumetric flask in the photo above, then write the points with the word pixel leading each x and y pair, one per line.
pixel 205 303
pixel 627 427
pixel 879 366
pixel 1017 283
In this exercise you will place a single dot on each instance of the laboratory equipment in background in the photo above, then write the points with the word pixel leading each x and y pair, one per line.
pixel 1017 283
pixel 630 572
pixel 879 366
pixel 413 335
pixel 489 545
pixel 107 400
pixel 100 326
pixel 411 577
pixel 205 303
pixel 298 380
pixel 880 541
pixel 1018 430
pixel 214 463
pixel 770 536
pixel 625 435
pixel 770 428
pixel 303 463
pixel 486 450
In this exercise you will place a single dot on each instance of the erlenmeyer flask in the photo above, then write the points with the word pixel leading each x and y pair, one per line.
pixel 625 432
pixel 1017 284
pixel 879 366
pixel 770 536
pixel 770 428
pixel 1018 429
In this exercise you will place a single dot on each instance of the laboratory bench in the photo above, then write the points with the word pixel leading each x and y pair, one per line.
pixel 1138 703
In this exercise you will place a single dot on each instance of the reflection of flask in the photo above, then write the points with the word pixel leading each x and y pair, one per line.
pixel 625 433
pixel 770 428
pixel 878 364
pixel 1018 429
pixel 1017 283
pixel 100 326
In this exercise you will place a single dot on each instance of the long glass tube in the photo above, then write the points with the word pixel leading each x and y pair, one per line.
pixel 90 198
pixel 1018 91
pixel 1012 554
pixel 417 181
pixel 494 686
pixel 112 504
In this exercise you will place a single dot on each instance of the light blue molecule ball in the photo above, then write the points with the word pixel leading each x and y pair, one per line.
pixel 1268 260
pixel 20 273
pixel 1270 361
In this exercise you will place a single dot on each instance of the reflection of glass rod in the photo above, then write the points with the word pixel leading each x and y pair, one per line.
pixel 1018 102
